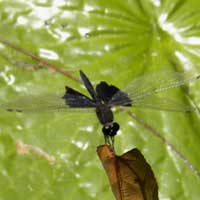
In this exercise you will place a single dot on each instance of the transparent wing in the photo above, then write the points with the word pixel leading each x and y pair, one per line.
pixel 43 103
pixel 161 103
pixel 151 84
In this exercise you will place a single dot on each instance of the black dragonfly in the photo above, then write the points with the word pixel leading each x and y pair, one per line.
pixel 141 92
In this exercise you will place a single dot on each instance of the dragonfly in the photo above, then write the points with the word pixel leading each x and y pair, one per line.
pixel 141 92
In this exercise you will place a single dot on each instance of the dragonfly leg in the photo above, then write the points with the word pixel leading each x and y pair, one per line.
pixel 109 140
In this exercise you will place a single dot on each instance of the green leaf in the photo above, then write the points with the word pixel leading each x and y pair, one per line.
pixel 115 41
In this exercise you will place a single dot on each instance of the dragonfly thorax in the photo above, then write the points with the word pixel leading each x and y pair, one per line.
pixel 104 113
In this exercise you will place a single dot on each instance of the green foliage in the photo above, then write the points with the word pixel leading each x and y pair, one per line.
pixel 111 40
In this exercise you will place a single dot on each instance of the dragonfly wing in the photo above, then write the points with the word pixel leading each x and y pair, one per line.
pixel 36 103
pixel 76 99
pixel 151 84
pixel 88 85
pixel 161 103
pixel 105 92
pixel 43 103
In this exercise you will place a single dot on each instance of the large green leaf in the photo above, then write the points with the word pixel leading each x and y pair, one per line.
pixel 113 40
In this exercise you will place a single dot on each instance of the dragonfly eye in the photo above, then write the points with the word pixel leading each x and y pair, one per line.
pixel 110 129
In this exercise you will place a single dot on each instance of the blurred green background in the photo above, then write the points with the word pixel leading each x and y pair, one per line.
pixel 111 40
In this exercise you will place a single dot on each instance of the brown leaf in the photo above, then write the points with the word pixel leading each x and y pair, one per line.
pixel 130 176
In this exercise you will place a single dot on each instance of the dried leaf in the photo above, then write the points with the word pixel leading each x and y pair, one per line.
pixel 130 176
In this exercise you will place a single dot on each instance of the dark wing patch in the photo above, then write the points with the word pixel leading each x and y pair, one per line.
pixel 106 92
pixel 75 99
pixel 88 85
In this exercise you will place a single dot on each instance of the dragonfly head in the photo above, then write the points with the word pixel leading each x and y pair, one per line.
pixel 110 129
